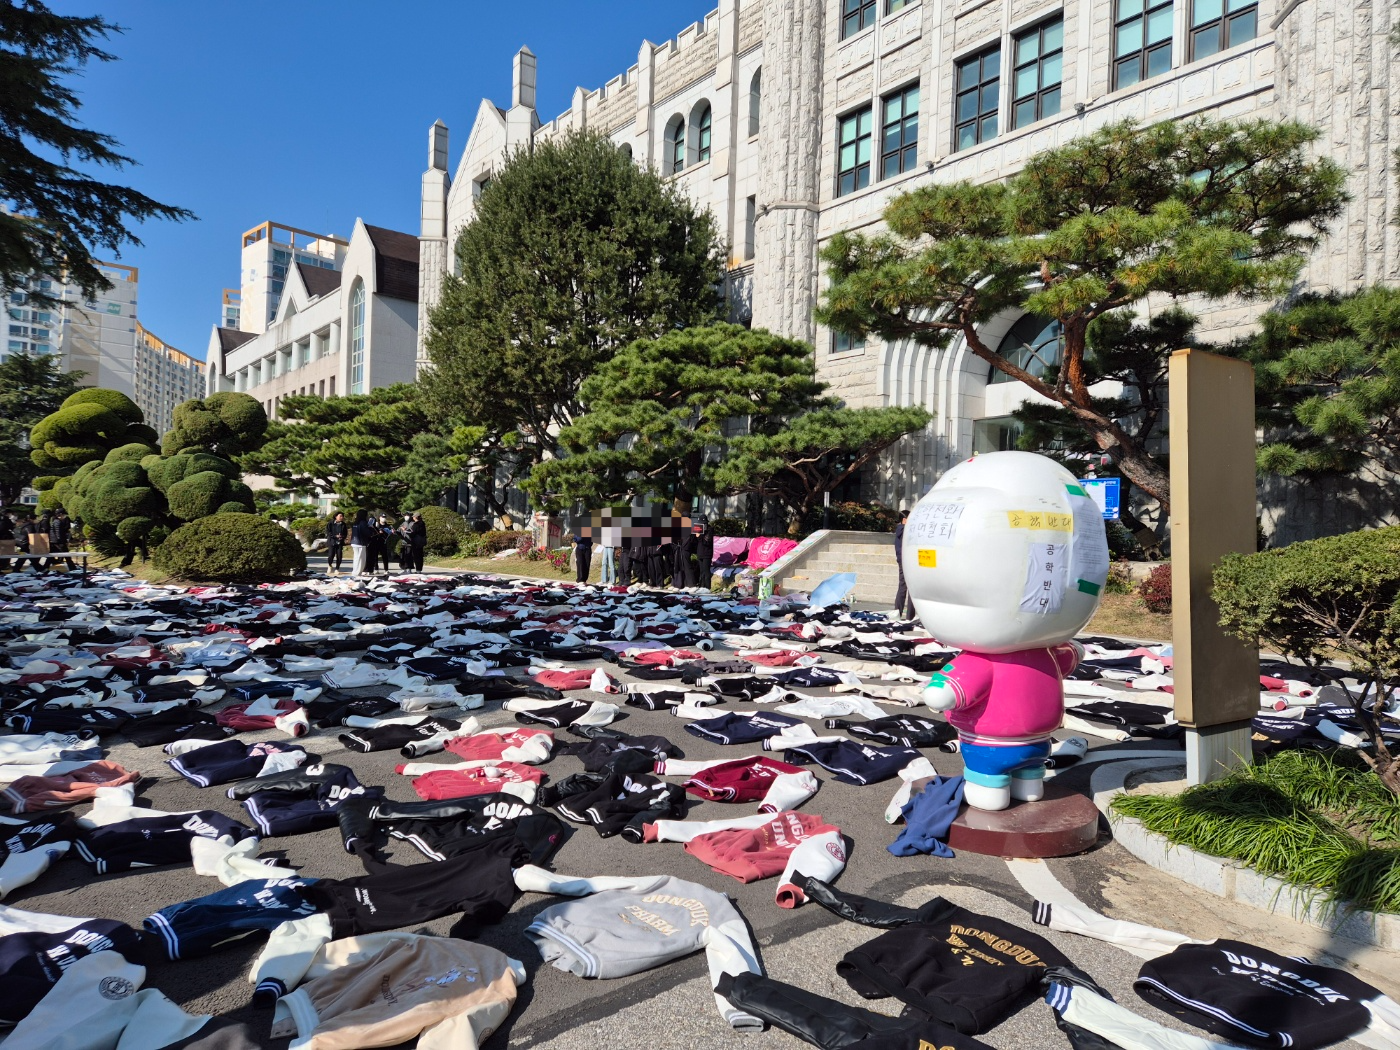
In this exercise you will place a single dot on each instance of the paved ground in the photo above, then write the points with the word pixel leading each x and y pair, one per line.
pixel 672 1007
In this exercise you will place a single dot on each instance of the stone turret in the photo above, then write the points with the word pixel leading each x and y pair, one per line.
pixel 790 121
pixel 432 237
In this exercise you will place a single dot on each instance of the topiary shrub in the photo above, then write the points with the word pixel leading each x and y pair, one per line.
pixel 227 424
pixel 198 495
pixel 113 401
pixel 498 540
pixel 231 548
pixel 133 452
pixel 1320 598
pixel 46 482
pixel 1156 590
pixel 446 530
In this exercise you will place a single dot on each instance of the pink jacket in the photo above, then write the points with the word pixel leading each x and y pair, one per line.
pixel 1008 698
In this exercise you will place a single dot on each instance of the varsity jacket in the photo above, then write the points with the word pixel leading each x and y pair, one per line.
pixel 178 723
pixel 27 848
pixel 617 803
pixel 628 925
pixel 199 926
pixel 34 748
pixel 422 736
pixel 447 828
pixel 32 960
pixel 1243 992
pixel 831 1025
pixel 965 970
pixel 95 1002
pixel 28 794
pixel 299 800
pixel 739 780
pixel 786 844
pixel 229 760
pixel 566 713
pixel 602 747
pixel 529 746
pixel 851 762
pixel 928 817
pixel 151 841
pixel 367 991
pixel 740 727
pixel 904 730
pixel 512 778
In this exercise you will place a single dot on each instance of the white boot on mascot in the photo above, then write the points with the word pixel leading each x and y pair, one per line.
pixel 1006 559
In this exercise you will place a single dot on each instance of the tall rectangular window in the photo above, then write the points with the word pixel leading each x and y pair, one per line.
pixel 1038 73
pixel 1218 24
pixel 1142 41
pixel 855 16
pixel 844 342
pixel 357 340
pixel 853 161
pixel 899 132
pixel 750 220
pixel 897 5
pixel 978 99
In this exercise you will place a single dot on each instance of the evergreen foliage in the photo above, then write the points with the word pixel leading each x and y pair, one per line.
pixel 662 410
pixel 1198 207
pixel 573 253
pixel 446 530
pixel 227 424
pixel 55 213
pixel 1317 599
pixel 31 387
pixel 1328 376
pixel 86 426
pixel 357 446
pixel 815 453
pixel 231 548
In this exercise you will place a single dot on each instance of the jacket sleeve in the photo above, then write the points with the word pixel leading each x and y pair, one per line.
pixel 863 910
pixel 287 956
pixel 729 951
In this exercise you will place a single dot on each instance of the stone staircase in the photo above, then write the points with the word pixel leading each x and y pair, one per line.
pixel 870 555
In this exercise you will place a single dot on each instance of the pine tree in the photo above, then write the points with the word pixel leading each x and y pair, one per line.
pixel 1194 208
pixel 30 389
pixel 52 214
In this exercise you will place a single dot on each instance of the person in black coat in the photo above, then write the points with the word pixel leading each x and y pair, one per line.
pixel 60 533
pixel 903 606
pixel 417 542
pixel 682 550
pixel 337 532
pixel 583 556
pixel 361 536
pixel 704 553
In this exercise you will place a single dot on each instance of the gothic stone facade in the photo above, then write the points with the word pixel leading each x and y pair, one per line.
pixel 767 110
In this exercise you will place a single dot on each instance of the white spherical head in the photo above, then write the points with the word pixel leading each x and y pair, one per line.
pixel 1006 552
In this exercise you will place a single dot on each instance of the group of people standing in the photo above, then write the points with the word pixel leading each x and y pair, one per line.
pixel 49 533
pixel 372 540
pixel 680 557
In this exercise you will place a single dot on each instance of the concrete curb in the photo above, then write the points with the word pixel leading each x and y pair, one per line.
pixel 1230 879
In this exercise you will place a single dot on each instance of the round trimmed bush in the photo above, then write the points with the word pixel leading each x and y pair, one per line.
pixel 498 540
pixel 198 495
pixel 446 530
pixel 46 482
pixel 227 423
pixel 1156 590
pixel 231 548
pixel 113 401
pixel 232 507
pixel 134 452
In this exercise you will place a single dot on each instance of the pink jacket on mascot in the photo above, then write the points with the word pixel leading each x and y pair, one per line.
pixel 1006 559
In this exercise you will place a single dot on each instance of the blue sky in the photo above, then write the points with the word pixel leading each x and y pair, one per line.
pixel 314 112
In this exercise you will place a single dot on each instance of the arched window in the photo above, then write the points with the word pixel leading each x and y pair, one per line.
pixel 675 145
pixel 626 150
pixel 357 339
pixel 1034 343
pixel 755 100
pixel 700 133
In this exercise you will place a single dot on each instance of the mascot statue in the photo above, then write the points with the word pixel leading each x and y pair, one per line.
pixel 1006 559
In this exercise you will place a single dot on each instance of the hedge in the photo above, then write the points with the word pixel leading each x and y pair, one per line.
pixel 231 548
pixel 446 530
pixel 226 423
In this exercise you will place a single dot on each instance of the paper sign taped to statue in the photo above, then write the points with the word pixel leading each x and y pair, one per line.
pixel 1045 578
pixel 1088 556
pixel 935 522
pixel 928 559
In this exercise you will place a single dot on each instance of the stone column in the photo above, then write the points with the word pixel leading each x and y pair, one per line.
pixel 433 248
pixel 790 131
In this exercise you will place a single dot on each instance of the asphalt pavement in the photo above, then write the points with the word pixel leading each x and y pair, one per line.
pixel 672 1006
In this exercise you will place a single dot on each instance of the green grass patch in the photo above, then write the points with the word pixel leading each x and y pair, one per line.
pixel 1322 821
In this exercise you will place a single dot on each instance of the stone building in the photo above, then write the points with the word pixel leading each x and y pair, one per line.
pixel 795 119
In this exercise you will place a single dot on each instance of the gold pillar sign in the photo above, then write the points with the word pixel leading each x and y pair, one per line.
pixel 1213 514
